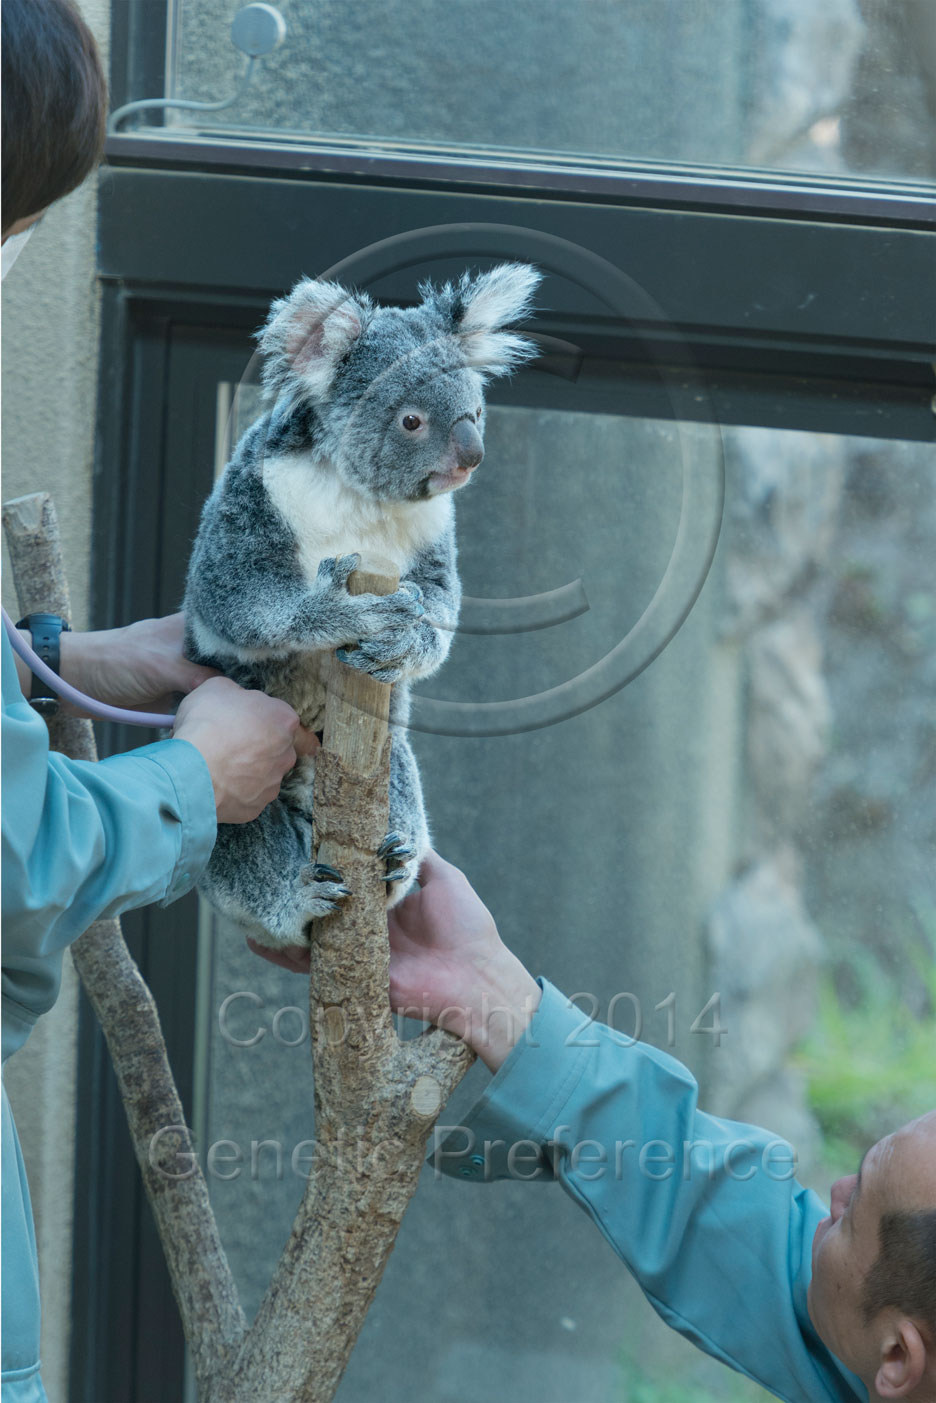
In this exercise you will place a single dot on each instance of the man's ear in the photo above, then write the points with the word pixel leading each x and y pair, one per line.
pixel 306 335
pixel 903 1360
pixel 477 307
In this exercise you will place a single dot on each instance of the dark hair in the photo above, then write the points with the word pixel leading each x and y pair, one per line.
pixel 54 104
pixel 904 1274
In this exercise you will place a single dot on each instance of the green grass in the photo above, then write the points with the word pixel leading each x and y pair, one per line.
pixel 643 1387
pixel 871 1067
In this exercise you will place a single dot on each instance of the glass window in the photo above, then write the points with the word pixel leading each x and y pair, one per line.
pixel 845 87
pixel 740 837
pixel 737 838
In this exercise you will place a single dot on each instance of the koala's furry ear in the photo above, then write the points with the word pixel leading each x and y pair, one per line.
pixel 477 307
pixel 306 335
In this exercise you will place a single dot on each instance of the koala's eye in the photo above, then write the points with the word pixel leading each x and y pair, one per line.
pixel 478 411
pixel 411 422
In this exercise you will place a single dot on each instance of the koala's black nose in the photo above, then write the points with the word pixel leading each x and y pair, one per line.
pixel 469 450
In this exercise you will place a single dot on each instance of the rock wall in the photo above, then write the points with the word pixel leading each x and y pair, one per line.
pixel 870 833
pixel 831 596
pixel 785 491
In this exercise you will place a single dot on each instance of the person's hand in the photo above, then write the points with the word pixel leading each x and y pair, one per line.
pixel 448 964
pixel 249 742
pixel 140 667
pixel 295 958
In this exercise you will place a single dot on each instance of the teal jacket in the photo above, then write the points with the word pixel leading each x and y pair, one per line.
pixel 80 841
pixel 705 1213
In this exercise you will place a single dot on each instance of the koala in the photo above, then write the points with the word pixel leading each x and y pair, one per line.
pixel 374 419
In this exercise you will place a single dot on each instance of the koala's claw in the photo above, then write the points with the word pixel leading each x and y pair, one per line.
pixel 323 889
pixel 394 850
pixel 322 870
pixel 412 588
pixel 336 570
pixel 362 659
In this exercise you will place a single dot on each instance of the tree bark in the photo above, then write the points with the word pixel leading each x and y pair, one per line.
pixel 376 1098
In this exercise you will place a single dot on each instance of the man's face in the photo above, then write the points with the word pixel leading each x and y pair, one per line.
pixel 898 1173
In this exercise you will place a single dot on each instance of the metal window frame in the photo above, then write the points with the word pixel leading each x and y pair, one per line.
pixel 819 322
pixel 543 174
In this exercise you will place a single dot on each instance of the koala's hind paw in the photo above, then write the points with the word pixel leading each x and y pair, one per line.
pixel 321 890
pixel 394 851
pixel 317 893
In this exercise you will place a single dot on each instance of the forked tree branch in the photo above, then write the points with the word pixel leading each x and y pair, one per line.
pixel 376 1098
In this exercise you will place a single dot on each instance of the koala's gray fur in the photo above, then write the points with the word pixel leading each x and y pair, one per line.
pixel 338 469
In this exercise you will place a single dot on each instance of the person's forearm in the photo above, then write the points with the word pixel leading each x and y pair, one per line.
pixel 75 652
pixel 139 665
pixel 82 840
pixel 82 655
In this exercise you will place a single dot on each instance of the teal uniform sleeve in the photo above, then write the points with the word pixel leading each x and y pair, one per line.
pixel 81 841
pixel 705 1213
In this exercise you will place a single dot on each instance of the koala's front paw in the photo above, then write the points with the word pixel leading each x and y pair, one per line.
pixel 388 618
pixel 336 618
pixel 383 658
pixel 401 644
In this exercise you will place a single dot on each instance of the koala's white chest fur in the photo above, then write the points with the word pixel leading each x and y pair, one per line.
pixel 328 519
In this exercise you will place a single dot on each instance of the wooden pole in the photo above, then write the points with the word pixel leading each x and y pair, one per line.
pixel 376 1098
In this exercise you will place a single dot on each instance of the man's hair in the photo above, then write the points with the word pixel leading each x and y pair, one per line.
pixel 54 104
pixel 904 1274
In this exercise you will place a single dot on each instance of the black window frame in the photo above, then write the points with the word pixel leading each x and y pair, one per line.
pixel 841 339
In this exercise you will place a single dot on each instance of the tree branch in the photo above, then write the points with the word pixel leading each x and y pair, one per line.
pixel 376 1099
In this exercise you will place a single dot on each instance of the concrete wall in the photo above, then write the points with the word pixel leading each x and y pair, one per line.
pixel 50 361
